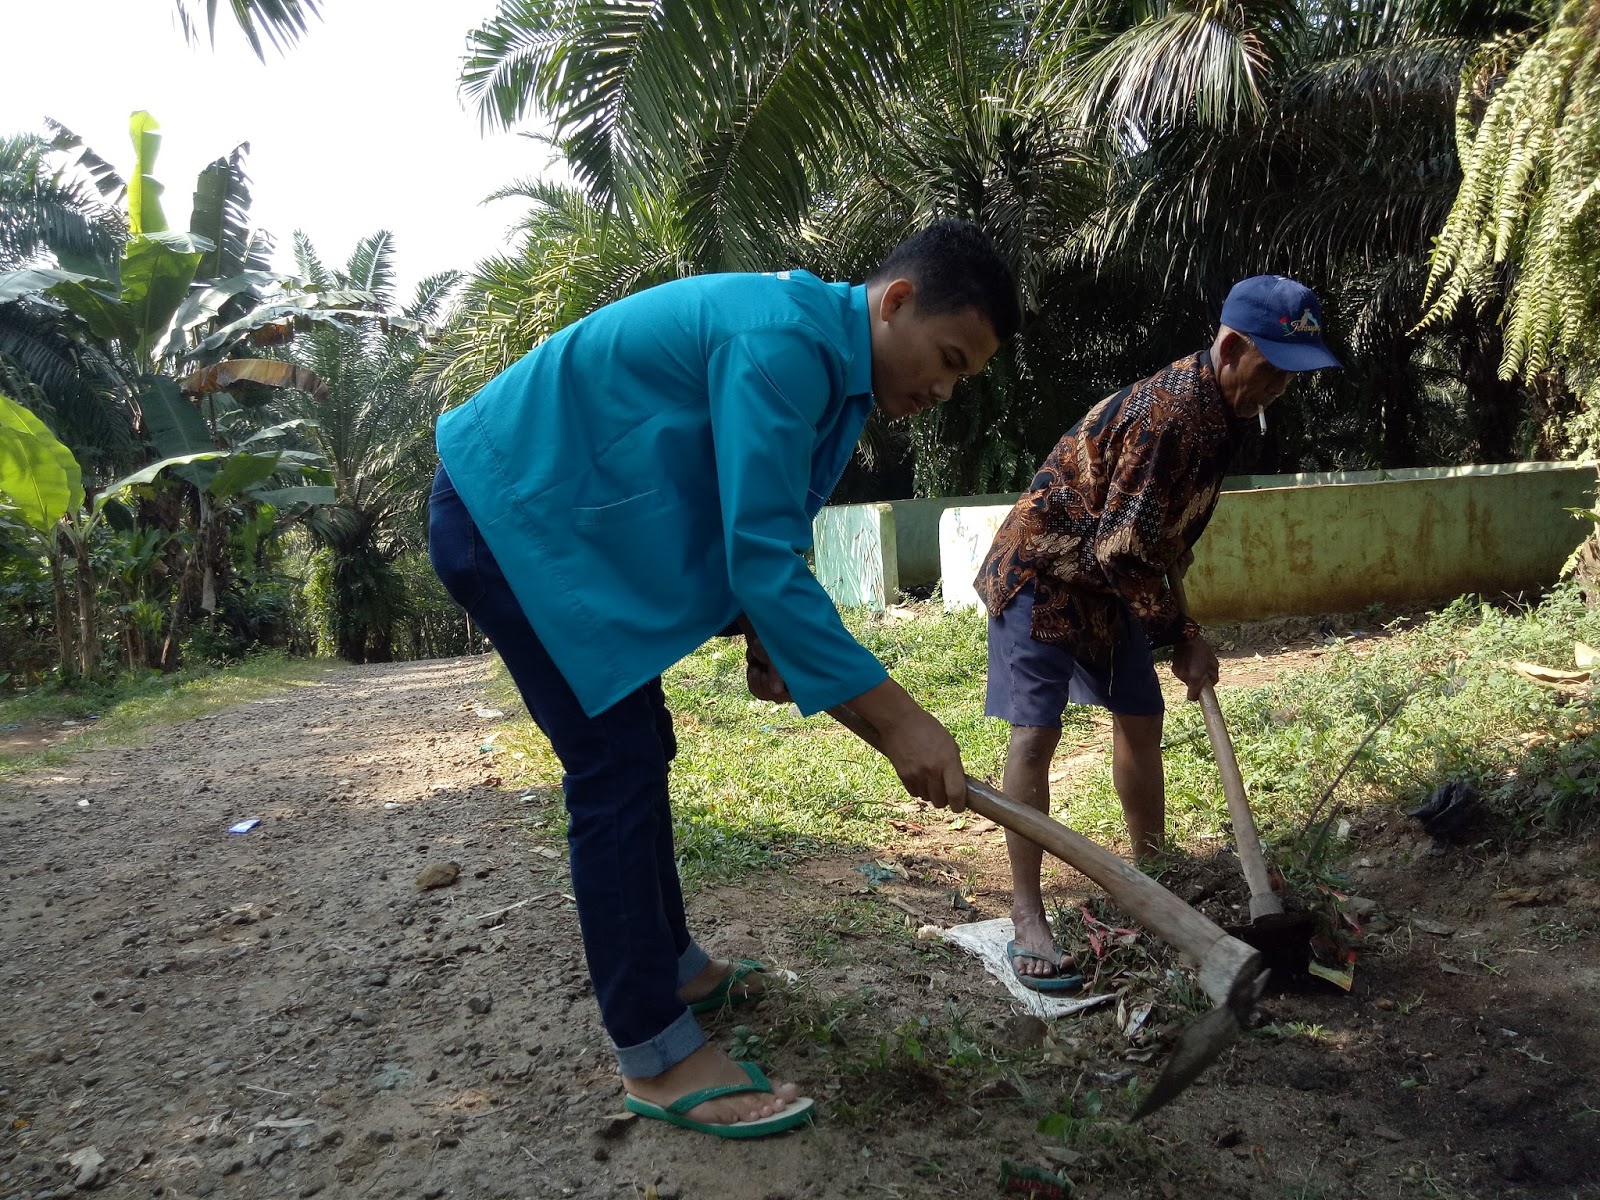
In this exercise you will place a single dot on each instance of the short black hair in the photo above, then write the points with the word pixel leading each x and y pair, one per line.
pixel 955 265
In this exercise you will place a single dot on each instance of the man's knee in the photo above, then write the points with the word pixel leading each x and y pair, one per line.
pixel 1139 732
pixel 1033 744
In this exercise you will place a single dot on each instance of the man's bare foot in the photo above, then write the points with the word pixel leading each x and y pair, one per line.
pixel 708 1067
pixel 711 977
pixel 1033 935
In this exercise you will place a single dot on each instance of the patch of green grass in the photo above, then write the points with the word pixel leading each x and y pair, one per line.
pixel 131 705
pixel 830 931
pixel 1295 1029
pixel 1095 1124
pixel 1565 933
pixel 756 786
pixel 871 1059
pixel 1532 751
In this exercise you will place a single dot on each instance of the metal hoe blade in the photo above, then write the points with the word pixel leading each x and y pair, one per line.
pixel 1200 1046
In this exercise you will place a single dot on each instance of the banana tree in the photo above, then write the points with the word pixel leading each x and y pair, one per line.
pixel 173 302
pixel 41 490
pixel 177 316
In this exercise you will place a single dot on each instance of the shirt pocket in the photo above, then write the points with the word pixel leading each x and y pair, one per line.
pixel 633 508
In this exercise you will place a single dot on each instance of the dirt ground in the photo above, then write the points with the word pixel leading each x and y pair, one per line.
pixel 281 1012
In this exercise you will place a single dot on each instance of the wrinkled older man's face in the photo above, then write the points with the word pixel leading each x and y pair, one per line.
pixel 1250 383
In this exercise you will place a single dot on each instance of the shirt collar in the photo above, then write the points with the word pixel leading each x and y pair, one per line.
pixel 858 375
pixel 1208 382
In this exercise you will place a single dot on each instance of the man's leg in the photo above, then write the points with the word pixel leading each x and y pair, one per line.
pixel 631 917
pixel 698 974
pixel 1133 694
pixel 1028 682
pixel 1027 780
pixel 1137 773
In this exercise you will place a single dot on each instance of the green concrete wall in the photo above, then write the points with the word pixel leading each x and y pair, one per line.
pixel 1350 540
pixel 1286 544
pixel 916 533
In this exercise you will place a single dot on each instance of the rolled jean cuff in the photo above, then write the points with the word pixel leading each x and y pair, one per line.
pixel 691 963
pixel 664 1051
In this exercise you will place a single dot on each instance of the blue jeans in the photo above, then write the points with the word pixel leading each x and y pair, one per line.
pixel 619 835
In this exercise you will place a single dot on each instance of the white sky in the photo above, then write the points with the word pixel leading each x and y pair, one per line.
pixel 357 127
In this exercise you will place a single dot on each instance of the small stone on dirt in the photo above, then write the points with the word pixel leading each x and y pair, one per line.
pixel 615 1125
pixel 88 1163
pixel 479 1004
pixel 380 1136
pixel 1387 1134
pixel 438 875
pixel 1359 906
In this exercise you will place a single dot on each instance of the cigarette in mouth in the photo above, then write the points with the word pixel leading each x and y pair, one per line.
pixel 1261 415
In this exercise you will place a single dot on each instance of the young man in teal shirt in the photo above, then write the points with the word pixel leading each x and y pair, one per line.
pixel 644 480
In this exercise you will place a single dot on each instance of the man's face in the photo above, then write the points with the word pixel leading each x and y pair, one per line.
pixel 917 360
pixel 1249 382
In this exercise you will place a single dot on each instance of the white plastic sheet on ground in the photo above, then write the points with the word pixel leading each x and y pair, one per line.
pixel 986 941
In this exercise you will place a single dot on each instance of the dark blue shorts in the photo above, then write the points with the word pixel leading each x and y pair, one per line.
pixel 1032 682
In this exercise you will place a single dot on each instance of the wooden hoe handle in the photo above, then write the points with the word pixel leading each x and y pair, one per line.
pixel 1263 899
pixel 1228 967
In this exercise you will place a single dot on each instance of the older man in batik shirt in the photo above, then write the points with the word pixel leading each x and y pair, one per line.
pixel 1076 581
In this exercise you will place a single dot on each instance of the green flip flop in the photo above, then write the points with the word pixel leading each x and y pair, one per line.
pixel 798 1113
pixel 1043 983
pixel 723 996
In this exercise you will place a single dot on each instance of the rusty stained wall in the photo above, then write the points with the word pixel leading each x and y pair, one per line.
pixel 1339 547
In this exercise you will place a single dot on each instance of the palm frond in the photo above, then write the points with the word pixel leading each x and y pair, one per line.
pixel 111 186
pixel 282 21
pixel 41 212
pixel 308 264
pixel 1205 64
pixel 433 293
pixel 1528 130
pixel 371 266
pixel 221 215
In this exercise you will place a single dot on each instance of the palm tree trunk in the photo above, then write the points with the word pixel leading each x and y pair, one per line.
pixel 88 637
pixel 208 579
pixel 66 650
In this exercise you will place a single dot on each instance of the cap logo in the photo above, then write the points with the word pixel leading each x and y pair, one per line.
pixel 1305 323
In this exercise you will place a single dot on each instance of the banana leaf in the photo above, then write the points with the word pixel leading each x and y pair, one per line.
pixel 39 477
pixel 156 274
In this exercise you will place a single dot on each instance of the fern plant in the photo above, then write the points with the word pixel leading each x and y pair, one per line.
pixel 1528 135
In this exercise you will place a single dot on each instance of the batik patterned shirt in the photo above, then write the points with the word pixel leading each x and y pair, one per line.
pixel 1124 493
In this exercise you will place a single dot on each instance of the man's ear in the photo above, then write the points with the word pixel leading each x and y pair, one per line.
pixel 896 296
pixel 1231 345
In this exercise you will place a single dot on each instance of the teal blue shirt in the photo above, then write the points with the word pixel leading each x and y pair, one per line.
pixel 652 471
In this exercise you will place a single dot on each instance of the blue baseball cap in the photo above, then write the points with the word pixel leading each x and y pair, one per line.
pixel 1283 318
